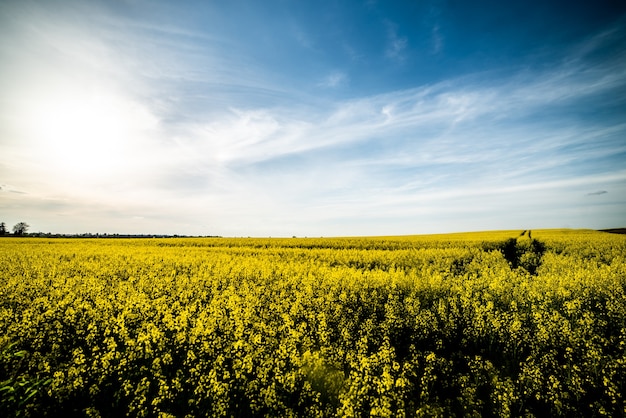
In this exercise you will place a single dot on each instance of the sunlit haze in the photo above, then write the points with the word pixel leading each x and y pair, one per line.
pixel 309 118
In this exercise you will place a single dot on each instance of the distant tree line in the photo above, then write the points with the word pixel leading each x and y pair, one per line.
pixel 105 235
pixel 19 229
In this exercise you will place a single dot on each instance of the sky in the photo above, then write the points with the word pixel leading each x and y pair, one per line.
pixel 312 118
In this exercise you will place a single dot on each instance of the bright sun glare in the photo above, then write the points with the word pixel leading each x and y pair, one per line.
pixel 92 135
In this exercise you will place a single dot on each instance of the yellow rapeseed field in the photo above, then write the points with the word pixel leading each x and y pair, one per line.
pixel 483 324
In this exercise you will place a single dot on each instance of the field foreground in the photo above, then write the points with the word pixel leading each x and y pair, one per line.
pixel 489 324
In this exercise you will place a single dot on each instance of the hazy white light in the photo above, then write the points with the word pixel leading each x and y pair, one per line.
pixel 88 134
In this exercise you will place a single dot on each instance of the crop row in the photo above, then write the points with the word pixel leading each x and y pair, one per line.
pixel 432 326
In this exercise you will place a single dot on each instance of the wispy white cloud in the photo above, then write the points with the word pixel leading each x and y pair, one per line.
pixel 433 22
pixel 396 44
pixel 303 38
pixel 334 79
pixel 437 40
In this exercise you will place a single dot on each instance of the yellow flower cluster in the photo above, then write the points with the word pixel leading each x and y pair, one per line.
pixel 482 324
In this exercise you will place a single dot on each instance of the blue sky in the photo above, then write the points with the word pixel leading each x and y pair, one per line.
pixel 325 118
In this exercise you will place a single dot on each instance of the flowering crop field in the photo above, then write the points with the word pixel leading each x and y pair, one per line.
pixel 477 324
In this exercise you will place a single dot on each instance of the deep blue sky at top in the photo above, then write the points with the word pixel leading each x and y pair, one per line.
pixel 436 40
pixel 365 47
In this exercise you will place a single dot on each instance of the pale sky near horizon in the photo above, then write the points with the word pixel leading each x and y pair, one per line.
pixel 312 118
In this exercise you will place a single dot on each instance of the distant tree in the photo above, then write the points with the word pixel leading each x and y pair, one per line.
pixel 3 229
pixel 20 228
